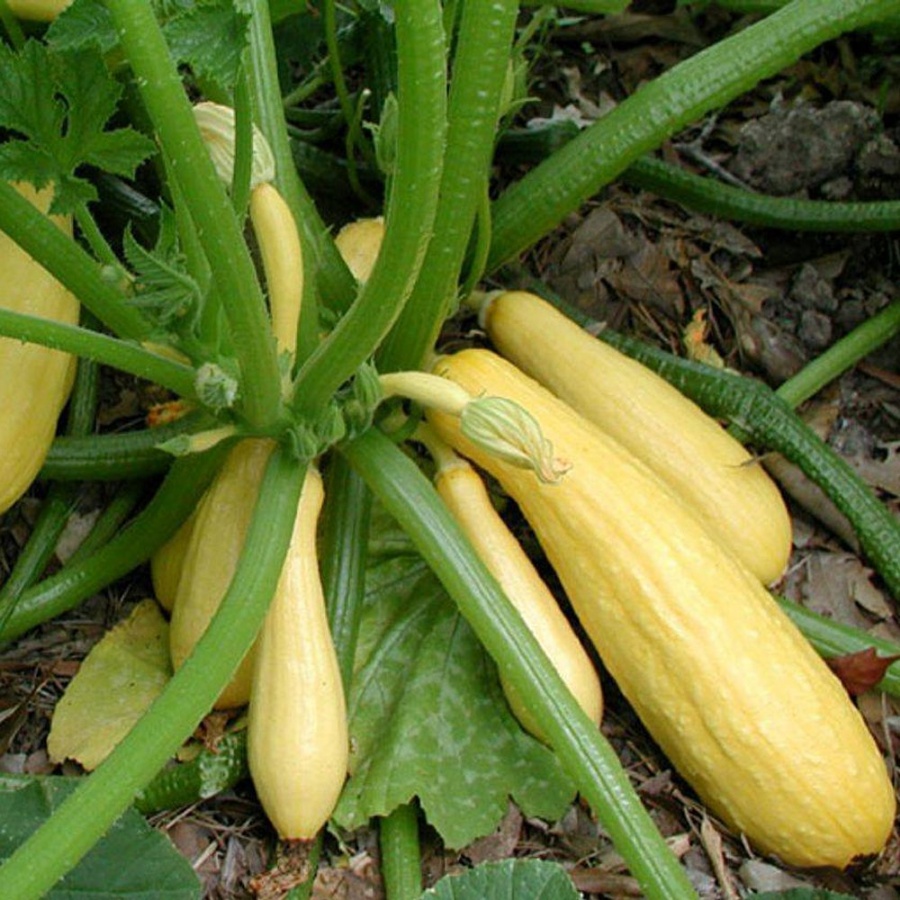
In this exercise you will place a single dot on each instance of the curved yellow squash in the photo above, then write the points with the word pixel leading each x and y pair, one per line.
pixel 466 495
pixel 726 684
pixel 688 449
pixel 297 738
pixel 215 539
pixel 34 381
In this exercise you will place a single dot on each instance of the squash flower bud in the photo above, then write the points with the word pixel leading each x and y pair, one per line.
pixel 216 123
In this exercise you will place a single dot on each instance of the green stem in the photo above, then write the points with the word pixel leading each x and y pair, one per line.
pixel 344 554
pixel 583 750
pixel 85 816
pixel 170 506
pixel 401 858
pixel 410 209
pixel 831 638
pixel 243 147
pixel 535 205
pixel 70 264
pixel 479 73
pixel 841 355
pixel 110 521
pixel 117 456
pixel 218 230
pixel 728 202
pixel 101 348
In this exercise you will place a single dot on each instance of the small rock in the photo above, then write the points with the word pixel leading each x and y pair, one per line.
pixel 812 291
pixel 815 329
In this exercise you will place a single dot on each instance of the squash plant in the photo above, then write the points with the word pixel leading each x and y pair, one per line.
pixel 184 305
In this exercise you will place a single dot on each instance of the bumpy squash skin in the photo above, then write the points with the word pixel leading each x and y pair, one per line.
pixel 465 494
pixel 297 737
pixel 688 449
pixel 37 10
pixel 34 381
pixel 219 527
pixel 729 688
pixel 358 243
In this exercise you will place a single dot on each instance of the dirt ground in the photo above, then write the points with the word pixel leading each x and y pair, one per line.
pixel 827 128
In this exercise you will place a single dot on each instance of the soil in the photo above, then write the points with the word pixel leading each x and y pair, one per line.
pixel 769 301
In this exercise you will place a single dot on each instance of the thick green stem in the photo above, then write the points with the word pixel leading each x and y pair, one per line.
pixel 537 203
pixel 401 858
pixel 479 73
pixel 217 228
pixel 585 753
pixel 344 553
pixel 728 202
pixel 85 816
pixel 102 349
pixel 70 264
pixel 410 209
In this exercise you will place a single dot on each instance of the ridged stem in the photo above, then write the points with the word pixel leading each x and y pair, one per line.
pixel 218 230
pixel 410 498
pixel 69 263
pixel 480 62
pixel 728 202
pixel 85 816
pixel 411 206
pixel 102 349
pixel 401 858
pixel 535 205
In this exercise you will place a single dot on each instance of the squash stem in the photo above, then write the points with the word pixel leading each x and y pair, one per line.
pixel 410 209
pixel 101 348
pixel 708 195
pixel 170 506
pixel 409 496
pixel 480 63
pixel 70 264
pixel 218 229
pixel 401 858
pixel 535 205
pixel 82 819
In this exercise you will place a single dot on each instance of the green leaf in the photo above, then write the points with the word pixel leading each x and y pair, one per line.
pixel 211 38
pixel 428 717
pixel 524 879
pixel 132 862
pixel 57 105
pixel 82 24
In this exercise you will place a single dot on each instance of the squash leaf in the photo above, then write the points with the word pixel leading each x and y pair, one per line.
pixel 533 879
pixel 132 862
pixel 121 676
pixel 428 718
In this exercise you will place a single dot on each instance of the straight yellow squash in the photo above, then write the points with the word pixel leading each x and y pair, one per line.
pixel 297 737
pixel 35 381
pixel 710 470
pixel 743 707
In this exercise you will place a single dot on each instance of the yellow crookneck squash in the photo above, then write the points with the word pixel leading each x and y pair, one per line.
pixel 743 707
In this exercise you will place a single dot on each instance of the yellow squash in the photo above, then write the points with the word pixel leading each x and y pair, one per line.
pixel 729 688
pixel 297 738
pixel 465 494
pixel 34 381
pixel 213 539
pixel 698 459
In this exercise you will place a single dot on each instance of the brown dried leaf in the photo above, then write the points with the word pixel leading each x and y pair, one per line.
pixel 860 671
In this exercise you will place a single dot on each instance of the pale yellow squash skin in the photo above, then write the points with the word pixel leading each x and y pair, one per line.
pixel 297 738
pixel 688 449
pixel 219 527
pixel 359 243
pixel 467 498
pixel 35 381
pixel 167 564
pixel 726 684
